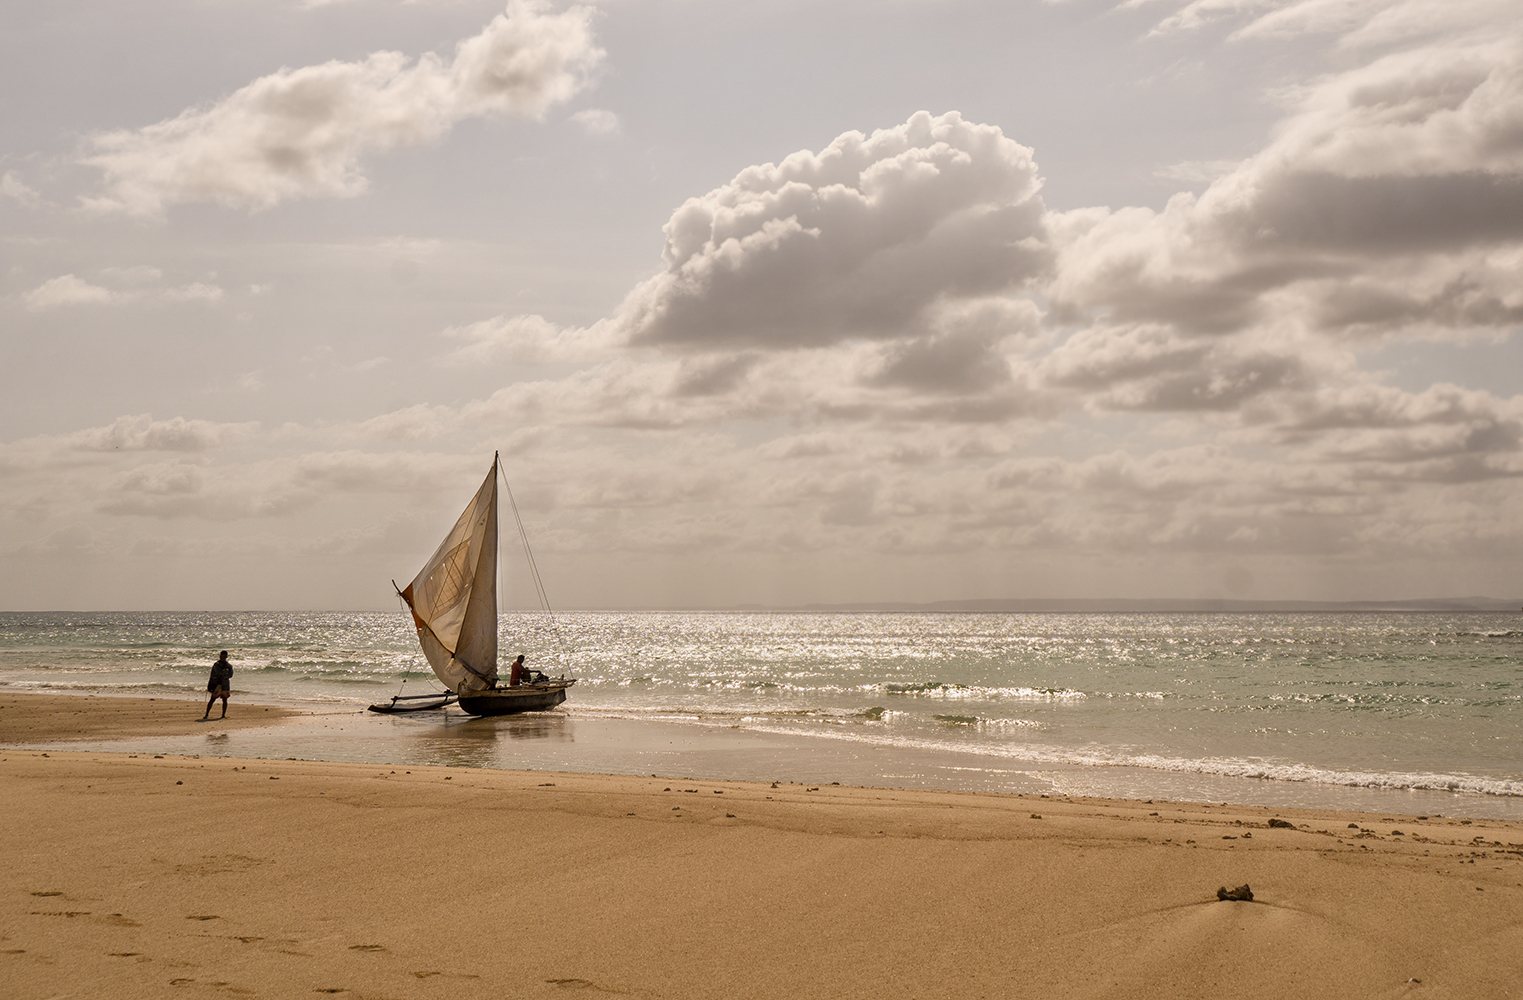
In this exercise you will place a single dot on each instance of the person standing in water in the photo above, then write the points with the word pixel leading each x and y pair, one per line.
pixel 219 685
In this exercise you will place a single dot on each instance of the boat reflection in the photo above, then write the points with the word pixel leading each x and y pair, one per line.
pixel 503 741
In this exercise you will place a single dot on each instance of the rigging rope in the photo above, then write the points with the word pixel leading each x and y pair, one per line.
pixel 539 585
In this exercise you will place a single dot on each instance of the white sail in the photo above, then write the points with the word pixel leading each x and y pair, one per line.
pixel 454 598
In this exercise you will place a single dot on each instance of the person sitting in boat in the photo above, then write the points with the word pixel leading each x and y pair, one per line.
pixel 517 671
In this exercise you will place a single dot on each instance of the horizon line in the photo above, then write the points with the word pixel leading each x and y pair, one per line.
pixel 1011 605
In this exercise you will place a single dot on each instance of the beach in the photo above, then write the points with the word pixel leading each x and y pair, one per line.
pixel 134 874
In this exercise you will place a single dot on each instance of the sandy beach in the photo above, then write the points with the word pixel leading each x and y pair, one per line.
pixel 143 875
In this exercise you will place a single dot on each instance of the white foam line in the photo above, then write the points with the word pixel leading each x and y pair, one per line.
pixel 1220 766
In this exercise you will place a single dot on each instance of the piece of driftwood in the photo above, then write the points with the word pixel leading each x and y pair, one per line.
pixel 1242 893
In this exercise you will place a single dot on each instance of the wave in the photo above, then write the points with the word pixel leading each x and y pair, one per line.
pixel 1230 767
pixel 940 689
pixel 123 689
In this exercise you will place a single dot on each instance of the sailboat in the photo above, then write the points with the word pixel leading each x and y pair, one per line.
pixel 453 601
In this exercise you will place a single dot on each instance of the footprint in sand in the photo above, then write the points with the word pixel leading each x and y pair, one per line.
pixel 581 984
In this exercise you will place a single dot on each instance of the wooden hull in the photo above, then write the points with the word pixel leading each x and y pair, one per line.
pixel 511 700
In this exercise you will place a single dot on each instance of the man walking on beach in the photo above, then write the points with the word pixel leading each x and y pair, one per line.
pixel 220 685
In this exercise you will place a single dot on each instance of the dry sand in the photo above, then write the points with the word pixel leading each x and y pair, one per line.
pixel 140 876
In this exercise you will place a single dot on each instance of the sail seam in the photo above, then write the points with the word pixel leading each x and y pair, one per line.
pixel 423 625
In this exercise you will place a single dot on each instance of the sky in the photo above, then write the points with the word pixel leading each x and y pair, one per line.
pixel 764 302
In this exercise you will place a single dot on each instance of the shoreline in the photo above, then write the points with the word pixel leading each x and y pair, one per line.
pixel 556 742
pixel 293 876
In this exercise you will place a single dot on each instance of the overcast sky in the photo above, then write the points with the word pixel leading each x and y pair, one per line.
pixel 763 302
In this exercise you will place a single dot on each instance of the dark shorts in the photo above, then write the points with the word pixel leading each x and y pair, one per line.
pixel 220 692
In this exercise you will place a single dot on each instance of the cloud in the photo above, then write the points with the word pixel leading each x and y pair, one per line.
pixel 1153 368
pixel 12 187
pixel 1390 198
pixel 1356 22
pixel 597 121
pixel 301 133
pixel 865 239
pixel 525 340
pixel 1196 171
pixel 67 290
pixel 71 290
pixel 142 433
pixel 196 291
pixel 889 353
pixel 1366 23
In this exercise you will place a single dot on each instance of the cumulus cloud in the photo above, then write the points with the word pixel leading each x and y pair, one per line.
pixel 1391 197
pixel 302 132
pixel 864 239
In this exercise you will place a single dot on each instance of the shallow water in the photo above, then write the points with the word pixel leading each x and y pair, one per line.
pixel 1412 712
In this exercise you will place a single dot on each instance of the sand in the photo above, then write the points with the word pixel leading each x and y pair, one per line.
pixel 148 876
pixel 29 718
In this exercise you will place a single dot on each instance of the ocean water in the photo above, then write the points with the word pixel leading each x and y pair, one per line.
pixel 1405 712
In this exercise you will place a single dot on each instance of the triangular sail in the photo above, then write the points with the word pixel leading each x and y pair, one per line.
pixel 454 598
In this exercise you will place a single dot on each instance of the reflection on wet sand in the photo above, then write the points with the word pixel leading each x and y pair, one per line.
pixel 457 740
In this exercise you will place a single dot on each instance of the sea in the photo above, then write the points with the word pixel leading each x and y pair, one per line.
pixel 1410 712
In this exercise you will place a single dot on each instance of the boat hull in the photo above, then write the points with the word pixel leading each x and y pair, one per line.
pixel 512 700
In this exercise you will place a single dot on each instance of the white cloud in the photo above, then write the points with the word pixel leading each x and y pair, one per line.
pixel 138 274
pixel 302 133
pixel 865 239
pixel 142 433
pixel 1196 171
pixel 196 291
pixel 526 340
pixel 597 121
pixel 12 187
pixel 71 290
pixel 1390 198
pixel 67 290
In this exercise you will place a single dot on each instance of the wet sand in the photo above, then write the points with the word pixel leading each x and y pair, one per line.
pixel 136 875
pixel 29 718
